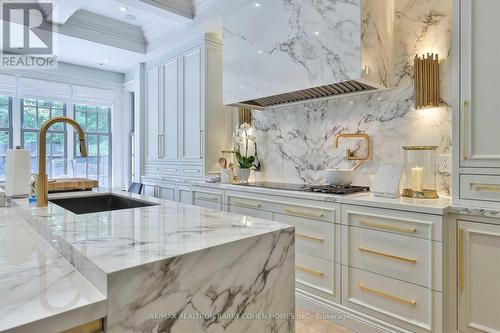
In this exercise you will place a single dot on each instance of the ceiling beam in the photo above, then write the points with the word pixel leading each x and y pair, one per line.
pixel 104 30
pixel 181 11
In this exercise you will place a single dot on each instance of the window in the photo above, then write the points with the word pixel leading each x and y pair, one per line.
pixel 5 131
pixel 34 112
pixel 96 123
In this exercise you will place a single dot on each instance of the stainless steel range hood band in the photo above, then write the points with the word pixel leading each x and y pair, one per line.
pixel 310 94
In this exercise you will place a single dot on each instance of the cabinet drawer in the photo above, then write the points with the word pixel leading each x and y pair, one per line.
pixel 192 171
pixel 401 257
pixel 480 187
pixel 315 273
pixel 389 299
pixel 207 200
pixel 404 223
pixel 261 214
pixel 307 212
pixel 171 170
pixel 312 237
pixel 248 203
pixel 152 169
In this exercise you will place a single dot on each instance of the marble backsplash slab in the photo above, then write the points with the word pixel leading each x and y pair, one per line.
pixel 296 142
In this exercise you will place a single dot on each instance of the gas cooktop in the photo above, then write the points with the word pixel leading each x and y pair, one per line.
pixel 331 189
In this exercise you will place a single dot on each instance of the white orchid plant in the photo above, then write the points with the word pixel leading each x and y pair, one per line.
pixel 242 135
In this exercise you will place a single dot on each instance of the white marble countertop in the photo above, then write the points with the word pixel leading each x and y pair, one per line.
pixel 117 240
pixel 40 291
pixel 429 206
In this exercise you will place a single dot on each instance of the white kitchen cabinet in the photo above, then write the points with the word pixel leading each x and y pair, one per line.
pixel 185 195
pixel 208 198
pixel 479 83
pixel 476 131
pixel 187 125
pixel 171 108
pixel 153 120
pixel 167 192
pixel 149 190
pixel 192 133
pixel 478 273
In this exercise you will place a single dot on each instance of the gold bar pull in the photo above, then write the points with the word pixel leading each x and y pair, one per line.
pixel 387 255
pixel 390 227
pixel 463 139
pixel 318 239
pixel 386 295
pixel 461 259
pixel 302 213
pixel 485 187
pixel 200 197
pixel 308 270
pixel 247 204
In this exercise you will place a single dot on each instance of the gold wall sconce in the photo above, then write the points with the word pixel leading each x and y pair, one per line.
pixel 426 80
pixel 244 116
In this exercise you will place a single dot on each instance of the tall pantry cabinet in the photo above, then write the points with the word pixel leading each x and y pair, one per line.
pixel 186 124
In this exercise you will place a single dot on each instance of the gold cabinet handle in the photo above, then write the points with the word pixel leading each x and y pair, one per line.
pixel 191 170
pixel 389 227
pixel 302 213
pixel 387 295
pixel 247 204
pixel 463 141
pixel 308 270
pixel 461 259
pixel 159 145
pixel 387 255
pixel 200 197
pixel 484 187
pixel 313 238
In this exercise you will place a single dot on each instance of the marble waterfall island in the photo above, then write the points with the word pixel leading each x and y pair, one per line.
pixel 178 268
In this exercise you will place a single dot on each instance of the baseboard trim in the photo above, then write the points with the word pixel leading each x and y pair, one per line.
pixel 355 320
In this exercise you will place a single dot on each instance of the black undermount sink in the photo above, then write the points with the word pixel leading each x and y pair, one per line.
pixel 99 203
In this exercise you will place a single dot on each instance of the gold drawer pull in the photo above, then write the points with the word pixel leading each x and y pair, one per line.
pixel 206 198
pixel 302 213
pixel 461 233
pixel 389 227
pixel 386 295
pixel 247 204
pixel 484 187
pixel 191 170
pixel 308 270
pixel 392 256
pixel 318 239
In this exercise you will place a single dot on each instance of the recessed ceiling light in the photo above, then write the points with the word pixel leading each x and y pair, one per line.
pixel 257 4
pixel 123 9
pixel 130 17
pixel 103 62
pixel 316 33
pixel 259 52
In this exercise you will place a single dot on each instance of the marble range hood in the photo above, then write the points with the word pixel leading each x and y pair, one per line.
pixel 279 52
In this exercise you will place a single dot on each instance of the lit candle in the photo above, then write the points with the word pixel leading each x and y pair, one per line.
pixel 417 179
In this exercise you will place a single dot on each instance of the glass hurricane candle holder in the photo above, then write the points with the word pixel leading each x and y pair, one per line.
pixel 419 173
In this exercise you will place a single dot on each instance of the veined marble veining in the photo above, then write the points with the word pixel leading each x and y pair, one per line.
pixel 287 45
pixel 296 142
pixel 245 286
pixel 40 291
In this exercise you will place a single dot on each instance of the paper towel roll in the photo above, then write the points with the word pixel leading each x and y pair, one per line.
pixel 17 172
